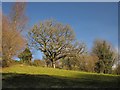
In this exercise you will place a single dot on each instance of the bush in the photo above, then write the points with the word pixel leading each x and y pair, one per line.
pixel 38 63
pixel 7 63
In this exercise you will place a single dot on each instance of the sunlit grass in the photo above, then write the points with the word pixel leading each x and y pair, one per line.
pixel 50 71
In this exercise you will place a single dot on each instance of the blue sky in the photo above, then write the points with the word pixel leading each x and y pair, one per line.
pixel 90 21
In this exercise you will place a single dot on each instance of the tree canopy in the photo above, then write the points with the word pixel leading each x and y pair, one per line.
pixel 53 39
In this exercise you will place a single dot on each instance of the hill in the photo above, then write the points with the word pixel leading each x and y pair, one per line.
pixel 23 76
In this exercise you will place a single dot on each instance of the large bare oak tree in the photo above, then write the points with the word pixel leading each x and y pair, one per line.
pixel 52 38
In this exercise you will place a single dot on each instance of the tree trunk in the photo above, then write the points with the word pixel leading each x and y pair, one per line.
pixel 53 64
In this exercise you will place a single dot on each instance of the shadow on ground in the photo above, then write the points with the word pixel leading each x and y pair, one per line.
pixel 14 80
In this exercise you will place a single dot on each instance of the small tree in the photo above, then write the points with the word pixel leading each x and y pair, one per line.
pixel 25 56
pixel 104 51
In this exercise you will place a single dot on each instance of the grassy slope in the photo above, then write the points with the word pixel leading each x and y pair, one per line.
pixel 30 76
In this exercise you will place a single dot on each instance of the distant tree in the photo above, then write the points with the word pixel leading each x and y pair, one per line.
pixel 52 38
pixel 117 70
pixel 47 62
pixel 117 65
pixel 67 63
pixel 25 56
pixel 73 59
pixel 88 62
pixel 12 26
pixel 104 51
pixel 83 62
pixel 38 63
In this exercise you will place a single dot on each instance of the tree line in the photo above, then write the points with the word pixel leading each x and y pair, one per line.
pixel 57 42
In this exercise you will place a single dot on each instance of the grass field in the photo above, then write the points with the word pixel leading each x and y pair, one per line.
pixel 18 76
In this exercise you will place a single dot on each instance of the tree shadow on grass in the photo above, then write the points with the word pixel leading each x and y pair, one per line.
pixel 100 80
pixel 14 80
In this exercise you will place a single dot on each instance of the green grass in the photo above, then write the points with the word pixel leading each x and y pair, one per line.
pixel 18 76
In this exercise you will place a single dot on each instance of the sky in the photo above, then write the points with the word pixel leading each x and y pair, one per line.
pixel 89 20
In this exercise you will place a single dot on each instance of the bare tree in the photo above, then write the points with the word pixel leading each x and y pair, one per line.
pixel 17 17
pixel 12 26
pixel 52 38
